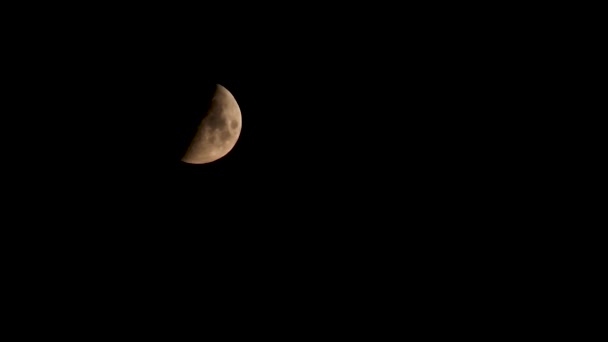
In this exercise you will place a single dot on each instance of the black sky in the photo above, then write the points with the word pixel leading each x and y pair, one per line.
pixel 362 121
pixel 371 145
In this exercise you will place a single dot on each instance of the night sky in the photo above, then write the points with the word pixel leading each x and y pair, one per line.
pixel 374 148
pixel 319 118
pixel 345 127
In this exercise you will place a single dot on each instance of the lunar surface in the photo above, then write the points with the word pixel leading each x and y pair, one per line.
pixel 218 131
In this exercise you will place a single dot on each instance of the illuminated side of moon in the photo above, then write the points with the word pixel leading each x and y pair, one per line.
pixel 219 130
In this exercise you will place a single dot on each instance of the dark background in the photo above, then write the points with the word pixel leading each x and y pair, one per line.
pixel 376 146
pixel 383 159
pixel 351 128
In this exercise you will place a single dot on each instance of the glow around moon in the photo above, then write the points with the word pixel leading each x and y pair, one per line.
pixel 219 130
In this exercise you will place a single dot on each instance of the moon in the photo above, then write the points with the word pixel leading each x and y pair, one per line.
pixel 219 130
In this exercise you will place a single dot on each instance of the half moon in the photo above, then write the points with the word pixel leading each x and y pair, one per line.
pixel 219 130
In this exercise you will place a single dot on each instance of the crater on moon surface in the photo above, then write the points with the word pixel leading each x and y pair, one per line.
pixel 225 135
pixel 215 121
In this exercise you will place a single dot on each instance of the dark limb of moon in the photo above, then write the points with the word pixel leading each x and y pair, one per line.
pixel 219 130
